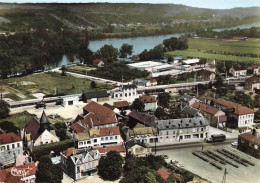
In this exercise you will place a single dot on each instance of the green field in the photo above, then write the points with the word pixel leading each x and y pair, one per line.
pixel 218 49
pixel 47 83
pixel 19 119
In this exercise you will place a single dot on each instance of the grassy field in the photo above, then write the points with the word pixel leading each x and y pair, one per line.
pixel 47 83
pixel 200 48
pixel 19 119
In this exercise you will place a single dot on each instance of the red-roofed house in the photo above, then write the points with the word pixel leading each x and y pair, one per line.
pixel 101 116
pixel 252 83
pixel 237 71
pixel 213 114
pixel 11 142
pixel 103 150
pixel 121 105
pixel 24 173
pixel 244 115
pixel 206 74
pixel 150 103
pixel 98 63
pixel 250 143
pixel 163 174
pixel 255 68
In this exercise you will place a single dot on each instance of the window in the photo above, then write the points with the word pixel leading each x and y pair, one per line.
pixel 95 140
pixel 51 141
pixel 93 164
pixel 88 158
pixel 121 95
pixel 129 94
pixel 8 147
pixel 133 93
pixel 125 94
pixel 115 137
pixel 111 138
pixel 201 129
pixel 89 142
pixel 19 151
pixel 80 143
pixel 13 146
pixel 102 138
pixel 106 138
pixel 18 144
pixel 89 166
pixel 2 148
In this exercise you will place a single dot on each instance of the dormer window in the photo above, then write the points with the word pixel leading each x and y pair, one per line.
pixel 110 133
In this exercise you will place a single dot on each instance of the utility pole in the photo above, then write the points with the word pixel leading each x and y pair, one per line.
pixel 224 177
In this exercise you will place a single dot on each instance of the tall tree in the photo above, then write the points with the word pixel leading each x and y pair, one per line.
pixel 4 109
pixel 108 53
pixel 164 99
pixel 110 167
pixel 126 50
pixel 137 105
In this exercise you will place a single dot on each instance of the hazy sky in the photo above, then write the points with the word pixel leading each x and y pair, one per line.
pixel 214 4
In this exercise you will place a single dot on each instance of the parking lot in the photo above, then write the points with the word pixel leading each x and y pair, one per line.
pixel 242 174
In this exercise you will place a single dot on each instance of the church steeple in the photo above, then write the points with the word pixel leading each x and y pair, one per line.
pixel 44 123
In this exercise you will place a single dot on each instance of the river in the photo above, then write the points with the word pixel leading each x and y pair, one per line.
pixel 141 43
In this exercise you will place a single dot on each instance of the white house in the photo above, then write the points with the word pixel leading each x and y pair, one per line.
pixel 150 103
pixel 69 100
pixel 11 142
pixel 126 92
pixel 237 71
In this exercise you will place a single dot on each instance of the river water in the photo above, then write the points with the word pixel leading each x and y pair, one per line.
pixel 140 43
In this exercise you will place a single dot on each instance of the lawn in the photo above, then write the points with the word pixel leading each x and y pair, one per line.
pixel 218 49
pixel 48 83
pixel 19 119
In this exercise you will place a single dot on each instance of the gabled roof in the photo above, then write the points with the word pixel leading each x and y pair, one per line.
pixel 140 129
pixel 79 117
pixel 109 131
pixel 96 94
pixel 7 176
pixel 132 143
pixel 103 114
pixel 106 149
pixel 205 108
pixel 243 110
pixel 238 68
pixel 7 138
pixel 141 117
pixel 205 72
pixel 121 104
pixel 33 127
pixel 147 99
pixel 78 128
pixel 186 97
pixel 163 174
pixel 255 66
pixel 125 87
pixel 253 79
pixel 109 106
pixel 190 110
pixel 70 151
pixel 97 61
pixel 247 136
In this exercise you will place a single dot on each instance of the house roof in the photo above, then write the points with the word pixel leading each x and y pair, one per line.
pixel 163 174
pixel 186 97
pixel 102 114
pixel 79 117
pixel 205 108
pixel 7 138
pixel 153 80
pixel 78 128
pixel 147 99
pixel 33 128
pixel 96 94
pixel 109 131
pixel 132 143
pixel 238 68
pixel 255 66
pixel 239 110
pixel 129 86
pixel 205 72
pixel 247 136
pixel 109 106
pixel 182 123
pixel 68 152
pixel 106 149
pixel 140 129
pixel 6 175
pixel 253 79
pixel 141 117
pixel 190 110
pixel 97 61
pixel 121 104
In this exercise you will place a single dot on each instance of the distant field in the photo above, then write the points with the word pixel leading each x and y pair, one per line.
pixel 200 48
pixel 47 83
pixel 235 46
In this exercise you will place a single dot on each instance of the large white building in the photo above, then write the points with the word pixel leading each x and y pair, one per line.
pixel 126 92
pixel 155 68
pixel 182 129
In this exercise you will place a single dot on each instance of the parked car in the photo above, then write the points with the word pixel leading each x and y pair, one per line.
pixel 165 156
pixel 179 165
pixel 234 144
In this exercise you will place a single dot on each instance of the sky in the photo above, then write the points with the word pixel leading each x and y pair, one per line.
pixel 213 4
